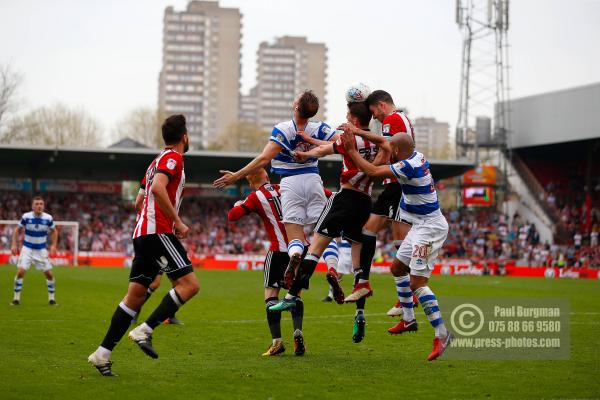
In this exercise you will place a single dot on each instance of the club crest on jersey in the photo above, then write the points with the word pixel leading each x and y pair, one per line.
pixel 385 128
pixel 171 163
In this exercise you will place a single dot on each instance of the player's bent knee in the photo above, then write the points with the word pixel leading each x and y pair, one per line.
pixel 319 244
pixel 417 282
pixel 271 292
pixel 192 288
pixel 195 288
pixel 136 289
pixel 375 223
pixel 187 286
pixel 398 268
pixel 135 298
pixel 135 303
pixel 294 231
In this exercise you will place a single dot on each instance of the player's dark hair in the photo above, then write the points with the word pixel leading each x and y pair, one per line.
pixel 377 96
pixel 173 129
pixel 37 198
pixel 308 104
pixel 361 111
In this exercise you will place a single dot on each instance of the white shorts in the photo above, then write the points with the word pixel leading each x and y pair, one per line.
pixel 345 261
pixel 422 244
pixel 302 198
pixel 403 216
pixel 37 257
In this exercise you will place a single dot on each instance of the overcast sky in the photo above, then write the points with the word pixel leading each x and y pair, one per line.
pixel 105 55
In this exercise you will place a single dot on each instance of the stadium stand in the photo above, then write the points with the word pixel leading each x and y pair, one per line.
pixel 479 235
pixel 106 223
pixel 554 146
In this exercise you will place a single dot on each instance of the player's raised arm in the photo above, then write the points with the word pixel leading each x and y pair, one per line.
pixel 269 152
pixel 378 139
pixel 324 136
pixel 315 141
pixel 385 150
pixel 319 151
pixel 245 207
pixel 383 156
pixel 382 171
pixel 238 211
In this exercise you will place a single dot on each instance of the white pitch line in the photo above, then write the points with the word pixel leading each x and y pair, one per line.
pixel 309 317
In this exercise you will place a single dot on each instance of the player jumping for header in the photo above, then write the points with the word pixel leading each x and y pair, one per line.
pixel 345 214
pixel 386 208
pixel 302 195
pixel 416 256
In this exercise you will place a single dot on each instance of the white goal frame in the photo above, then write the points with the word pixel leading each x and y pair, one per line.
pixel 57 223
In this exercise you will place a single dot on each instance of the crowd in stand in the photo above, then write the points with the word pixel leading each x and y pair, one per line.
pixel 211 233
pixel 484 235
pixel 578 209
pixel 106 223
pixel 579 214
pixel 104 219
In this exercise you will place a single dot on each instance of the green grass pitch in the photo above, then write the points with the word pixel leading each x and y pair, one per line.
pixel 217 354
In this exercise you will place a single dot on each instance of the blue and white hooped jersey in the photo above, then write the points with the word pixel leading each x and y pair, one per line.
pixel 419 197
pixel 285 134
pixel 36 229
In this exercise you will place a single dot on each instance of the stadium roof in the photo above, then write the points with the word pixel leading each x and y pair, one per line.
pixel 118 164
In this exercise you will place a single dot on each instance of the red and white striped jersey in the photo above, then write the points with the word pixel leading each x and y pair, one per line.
pixel 152 219
pixel 265 202
pixel 350 172
pixel 395 123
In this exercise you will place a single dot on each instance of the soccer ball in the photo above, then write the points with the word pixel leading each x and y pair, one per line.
pixel 357 93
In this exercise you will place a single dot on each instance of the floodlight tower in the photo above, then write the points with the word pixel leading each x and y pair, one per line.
pixel 484 76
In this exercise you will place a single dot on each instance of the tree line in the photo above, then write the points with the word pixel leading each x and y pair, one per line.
pixel 60 125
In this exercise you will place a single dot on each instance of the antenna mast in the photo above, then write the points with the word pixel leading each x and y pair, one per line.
pixel 484 88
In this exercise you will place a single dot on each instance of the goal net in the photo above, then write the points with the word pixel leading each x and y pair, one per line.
pixel 67 248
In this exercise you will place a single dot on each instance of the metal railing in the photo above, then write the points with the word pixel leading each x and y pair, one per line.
pixel 540 194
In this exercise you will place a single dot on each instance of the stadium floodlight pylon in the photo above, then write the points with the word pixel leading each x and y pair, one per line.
pixel 484 88
pixel 63 235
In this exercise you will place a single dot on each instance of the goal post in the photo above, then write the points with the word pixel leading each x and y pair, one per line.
pixel 67 246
